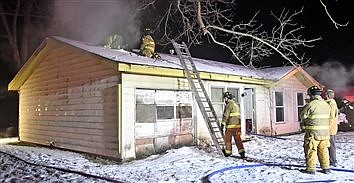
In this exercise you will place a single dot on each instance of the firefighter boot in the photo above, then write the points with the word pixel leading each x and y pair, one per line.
pixel 224 152
pixel 308 171
pixel 242 154
pixel 326 171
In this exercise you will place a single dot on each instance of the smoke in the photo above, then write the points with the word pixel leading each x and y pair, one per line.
pixel 333 74
pixel 93 20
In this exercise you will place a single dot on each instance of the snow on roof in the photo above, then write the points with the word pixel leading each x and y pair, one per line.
pixel 172 61
pixel 276 73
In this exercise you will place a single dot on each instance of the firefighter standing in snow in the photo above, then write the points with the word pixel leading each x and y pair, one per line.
pixel 231 120
pixel 333 127
pixel 315 116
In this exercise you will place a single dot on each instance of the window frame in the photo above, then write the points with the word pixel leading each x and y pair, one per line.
pixel 222 103
pixel 276 107
pixel 298 106
pixel 176 102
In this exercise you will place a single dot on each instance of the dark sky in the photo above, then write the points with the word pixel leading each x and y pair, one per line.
pixel 336 44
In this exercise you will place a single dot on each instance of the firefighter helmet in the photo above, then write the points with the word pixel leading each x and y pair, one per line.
pixel 228 95
pixel 314 90
pixel 146 32
pixel 330 93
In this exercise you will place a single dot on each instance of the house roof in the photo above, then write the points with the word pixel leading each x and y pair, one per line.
pixel 167 61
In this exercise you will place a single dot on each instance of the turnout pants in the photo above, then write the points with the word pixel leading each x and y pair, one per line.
pixel 332 150
pixel 314 148
pixel 236 134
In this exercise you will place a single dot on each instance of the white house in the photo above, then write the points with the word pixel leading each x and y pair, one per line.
pixel 118 104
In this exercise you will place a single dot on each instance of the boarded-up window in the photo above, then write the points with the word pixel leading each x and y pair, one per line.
pixel 279 107
pixel 146 113
pixel 165 112
pixel 145 96
pixel 153 105
pixel 145 106
pixel 184 111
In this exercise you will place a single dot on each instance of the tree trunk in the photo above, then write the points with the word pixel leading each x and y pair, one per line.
pixel 12 35
pixel 26 29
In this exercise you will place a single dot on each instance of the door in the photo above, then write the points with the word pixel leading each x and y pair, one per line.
pixel 248 99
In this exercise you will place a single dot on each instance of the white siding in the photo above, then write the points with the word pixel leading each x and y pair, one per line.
pixel 263 106
pixel 290 87
pixel 71 99
pixel 144 140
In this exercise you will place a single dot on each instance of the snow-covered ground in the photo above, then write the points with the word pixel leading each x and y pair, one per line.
pixel 186 164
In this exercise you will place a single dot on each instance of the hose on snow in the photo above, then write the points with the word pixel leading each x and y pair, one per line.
pixel 63 169
pixel 207 177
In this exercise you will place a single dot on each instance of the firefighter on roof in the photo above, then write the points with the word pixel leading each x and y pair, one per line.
pixel 231 121
pixel 315 116
pixel 147 47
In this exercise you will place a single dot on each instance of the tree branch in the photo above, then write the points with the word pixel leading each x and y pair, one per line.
pixel 330 17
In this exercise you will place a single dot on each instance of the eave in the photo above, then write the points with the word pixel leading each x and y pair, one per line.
pixel 170 72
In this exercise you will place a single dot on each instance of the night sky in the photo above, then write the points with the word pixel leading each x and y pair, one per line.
pixel 337 44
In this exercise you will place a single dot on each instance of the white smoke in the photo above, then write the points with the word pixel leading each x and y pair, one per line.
pixel 93 20
pixel 333 74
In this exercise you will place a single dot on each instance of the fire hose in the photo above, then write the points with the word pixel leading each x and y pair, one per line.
pixel 63 169
pixel 207 177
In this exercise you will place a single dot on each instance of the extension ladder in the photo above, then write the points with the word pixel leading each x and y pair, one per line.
pixel 201 96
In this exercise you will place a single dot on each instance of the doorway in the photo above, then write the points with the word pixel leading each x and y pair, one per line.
pixel 248 99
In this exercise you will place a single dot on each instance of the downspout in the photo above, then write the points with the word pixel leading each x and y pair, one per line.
pixel 271 110
pixel 119 108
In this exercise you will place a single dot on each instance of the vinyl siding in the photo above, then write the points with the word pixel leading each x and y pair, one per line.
pixel 71 100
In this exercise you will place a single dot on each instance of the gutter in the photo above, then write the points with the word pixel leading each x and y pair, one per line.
pixel 169 72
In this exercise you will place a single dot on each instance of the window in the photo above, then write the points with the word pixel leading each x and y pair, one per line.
pixel 300 104
pixel 165 112
pixel 153 105
pixel 234 92
pixel 184 101
pixel 184 111
pixel 279 107
pixel 145 106
pixel 217 100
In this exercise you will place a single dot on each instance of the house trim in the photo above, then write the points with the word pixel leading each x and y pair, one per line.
pixel 159 71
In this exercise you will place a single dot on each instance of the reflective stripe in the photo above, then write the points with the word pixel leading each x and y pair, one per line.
pixel 319 116
pixel 241 150
pixel 316 127
pixel 311 168
pixel 149 47
pixel 228 151
pixel 233 126
pixel 235 114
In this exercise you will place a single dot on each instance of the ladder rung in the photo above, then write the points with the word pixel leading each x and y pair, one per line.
pixel 202 97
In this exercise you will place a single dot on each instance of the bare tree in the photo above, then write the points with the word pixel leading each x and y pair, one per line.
pixel 247 40
pixel 335 23
pixel 17 28
pixel 10 26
